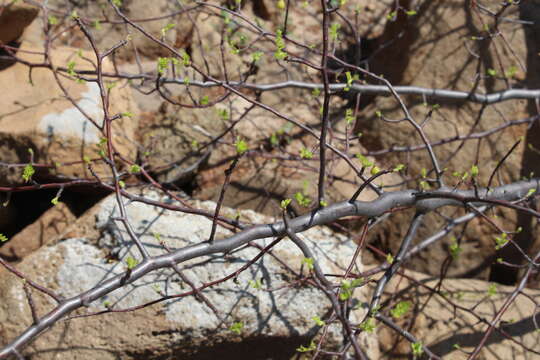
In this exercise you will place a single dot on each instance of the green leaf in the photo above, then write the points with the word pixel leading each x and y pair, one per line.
pixel 204 100
pixel 53 20
pixel 28 172
pixel 455 249
pixel 378 113
pixel 134 169
pixel 309 262
pixel 417 349
pixel 375 170
pixel 400 309
pixel 316 92
pixel 318 321
pixel 54 201
pixel 162 64
pixel 281 4
pixel 241 146
pixel 131 262
pixel 312 346
pixel 256 56
pixel 501 241
pixel 3 238
pixel 389 258
pixel 256 284
pixel 364 160
pixel 474 171
pixel 349 118
pixel 411 12
pixel 491 72
pixel 323 203
pixel 334 30
pixel 302 199
pixel 167 28
pixel 306 154
pixel 492 290
pixel 117 2
pixel 399 167
pixel 368 325
pixel 285 203
pixel 237 327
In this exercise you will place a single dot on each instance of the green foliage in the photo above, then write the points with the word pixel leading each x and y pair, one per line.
pixel 349 118
pixel 3 238
pixel 237 327
pixel 117 2
pixel 305 153
pixel 241 146
pixel 492 290
pixel 71 68
pixel 474 171
pixel 309 262
pixel 417 349
pixel 204 100
pixel 162 64
pixel 302 199
pixel 375 170
pixel 256 284
pixel 54 201
pixel 501 241
pixel 53 20
pixel 280 44
pixel 334 30
pixel 167 28
pixel 316 92
pixel 347 287
pixel 389 258
pixel 256 56
pixel 312 346
pixel 491 72
pixel 398 168
pixel 285 203
pixel 318 321
pixel 368 325
pixel 323 203
pixel 511 72
pixel 135 169
pixel 364 160
pixel 28 172
pixel 281 4
pixel 131 262
pixel 400 309
pixel 455 249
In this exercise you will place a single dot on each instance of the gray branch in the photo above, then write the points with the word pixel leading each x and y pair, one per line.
pixel 422 201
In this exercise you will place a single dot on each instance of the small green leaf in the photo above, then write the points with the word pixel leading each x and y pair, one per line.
pixel 316 92
pixel 306 154
pixel 492 290
pixel 375 170
pixel 285 203
pixel 256 284
pixel 389 258
pixel 474 171
pixel 256 56
pixel 400 309
pixel 117 2
pixel 531 192
pixel 122 184
pixel 28 172
pixel 417 349
pixel 318 321
pixel 167 28
pixel 312 346
pixel 411 12
pixel 3 238
pixel 491 72
pixel 53 20
pixel 54 201
pixel 323 203
pixel 378 113
pixel 399 167
pixel 309 262
pixel 364 160
pixel 134 169
pixel 131 262
pixel 281 4
pixel 204 100
pixel 237 327
pixel 368 325
pixel 455 249
pixel 241 146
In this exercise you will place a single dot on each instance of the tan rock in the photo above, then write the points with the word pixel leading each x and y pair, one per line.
pixel 454 331
pixel 15 16
pixel 49 225
pixel 36 115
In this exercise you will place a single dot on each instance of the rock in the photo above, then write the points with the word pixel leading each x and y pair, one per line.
pixel 15 16
pixel 438 48
pixel 434 49
pixel 108 35
pixel 275 322
pixel 451 331
pixel 177 143
pixel 51 224
pixel 37 116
